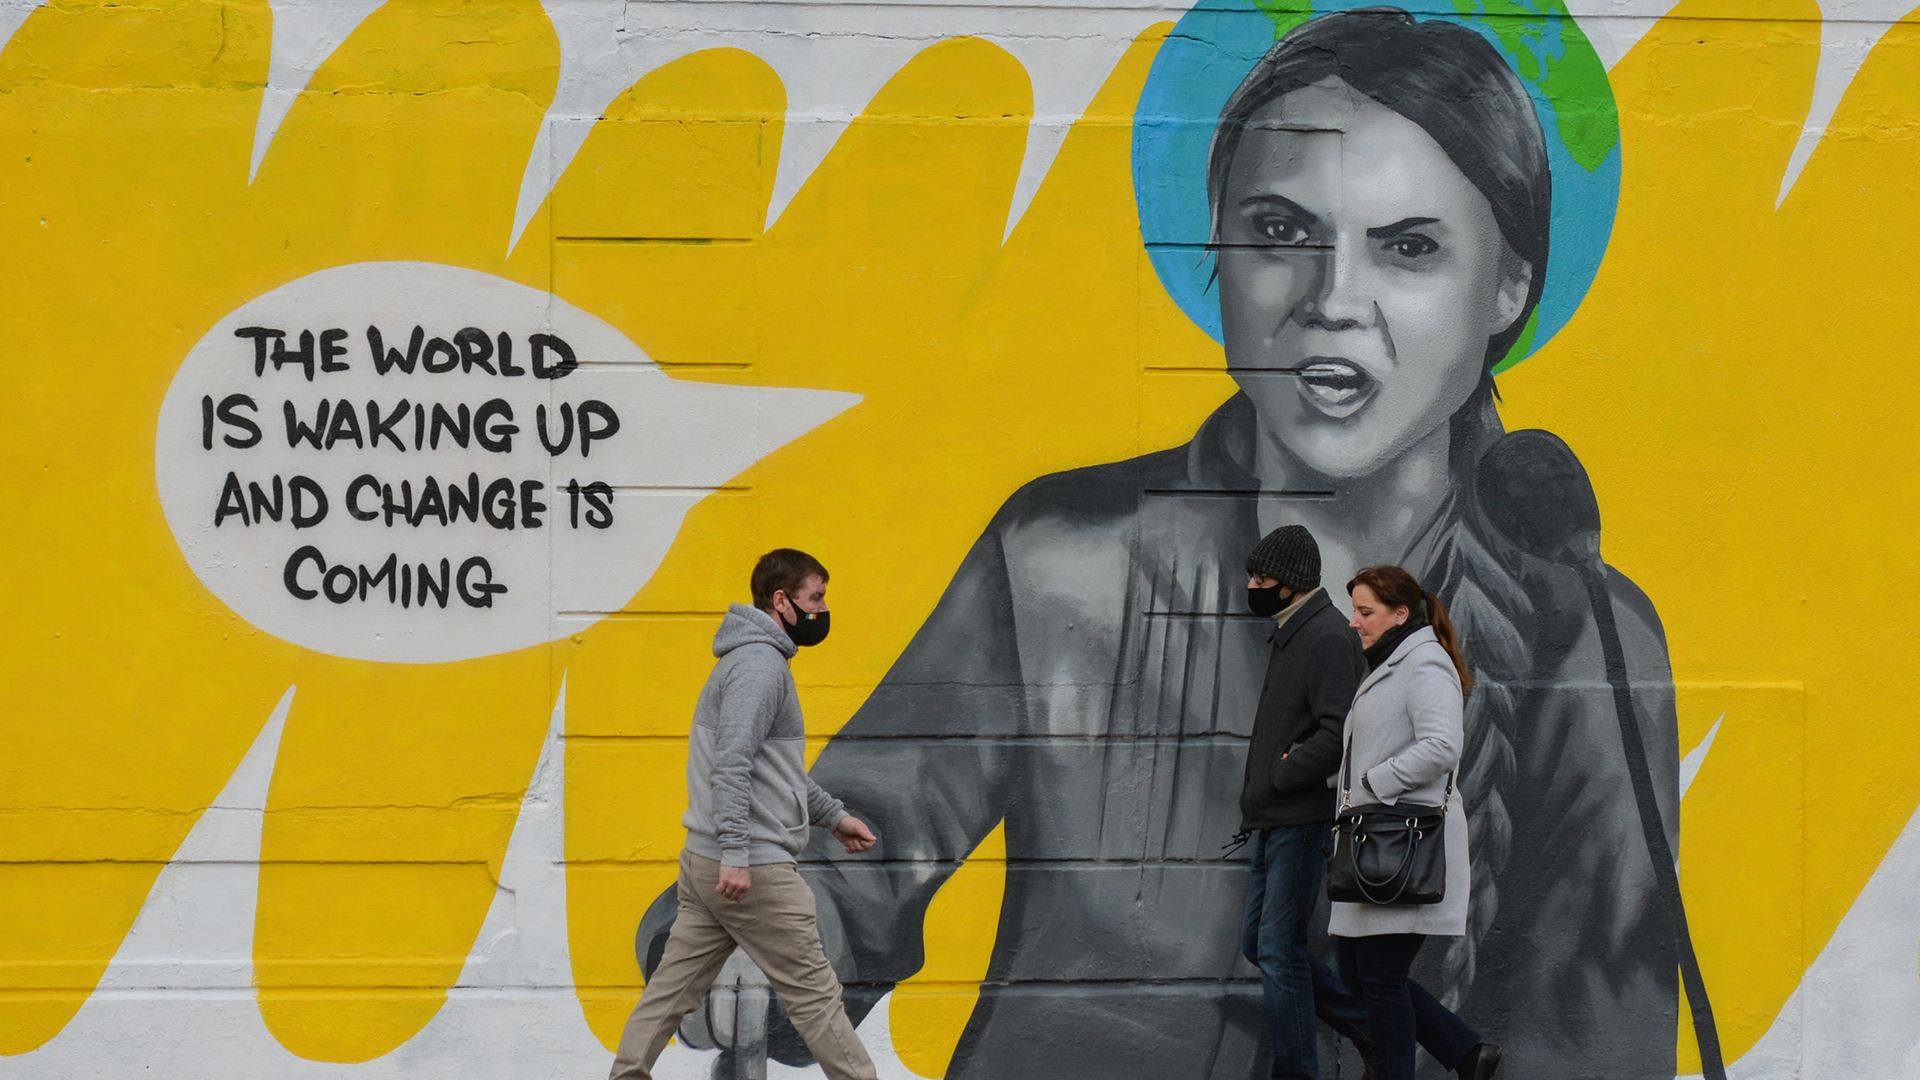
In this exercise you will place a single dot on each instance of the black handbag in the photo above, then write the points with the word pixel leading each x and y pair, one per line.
pixel 1387 854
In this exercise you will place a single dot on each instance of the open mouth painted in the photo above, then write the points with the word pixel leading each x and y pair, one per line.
pixel 1338 388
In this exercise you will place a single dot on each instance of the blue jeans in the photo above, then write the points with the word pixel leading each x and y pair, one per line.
pixel 1288 864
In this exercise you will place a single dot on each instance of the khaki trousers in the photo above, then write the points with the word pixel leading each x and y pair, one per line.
pixel 778 927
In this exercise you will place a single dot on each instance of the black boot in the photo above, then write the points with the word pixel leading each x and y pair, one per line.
pixel 1480 1063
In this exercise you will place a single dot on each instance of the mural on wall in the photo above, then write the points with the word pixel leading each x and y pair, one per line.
pixel 1375 207
pixel 1379 201
pixel 442 461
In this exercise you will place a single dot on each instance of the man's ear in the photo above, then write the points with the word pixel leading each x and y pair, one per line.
pixel 1516 282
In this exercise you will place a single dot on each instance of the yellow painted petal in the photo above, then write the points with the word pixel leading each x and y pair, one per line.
pixel 396 790
pixel 129 691
pixel 397 784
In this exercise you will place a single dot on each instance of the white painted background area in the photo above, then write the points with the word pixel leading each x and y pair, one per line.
pixel 676 442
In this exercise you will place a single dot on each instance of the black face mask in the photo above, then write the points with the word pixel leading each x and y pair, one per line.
pixel 812 627
pixel 1266 602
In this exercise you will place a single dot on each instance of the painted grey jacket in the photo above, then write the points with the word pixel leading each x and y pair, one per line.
pixel 1404 736
pixel 749 798
pixel 1088 682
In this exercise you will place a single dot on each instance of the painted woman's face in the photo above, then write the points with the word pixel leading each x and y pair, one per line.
pixel 1361 277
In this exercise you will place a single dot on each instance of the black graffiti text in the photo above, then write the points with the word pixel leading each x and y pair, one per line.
pixel 404 425
pixel 471 350
pixel 235 412
pixel 597 422
pixel 415 425
pixel 593 501
pixel 298 500
pixel 313 355
pixel 308 576
pixel 501 503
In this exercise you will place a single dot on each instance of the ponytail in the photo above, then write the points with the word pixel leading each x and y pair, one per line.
pixel 1449 639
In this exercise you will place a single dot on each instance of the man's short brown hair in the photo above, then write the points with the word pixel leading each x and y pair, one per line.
pixel 783 570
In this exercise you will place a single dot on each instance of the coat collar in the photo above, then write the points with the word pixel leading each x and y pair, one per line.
pixel 1309 608
pixel 1413 641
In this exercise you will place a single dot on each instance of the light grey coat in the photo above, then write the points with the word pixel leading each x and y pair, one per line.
pixel 1404 735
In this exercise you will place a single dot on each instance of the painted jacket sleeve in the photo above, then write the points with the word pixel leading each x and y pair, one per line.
pixel 1333 674
pixel 749 701
pixel 1437 712
pixel 903 766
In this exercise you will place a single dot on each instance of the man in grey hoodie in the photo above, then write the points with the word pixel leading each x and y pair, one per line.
pixel 749 804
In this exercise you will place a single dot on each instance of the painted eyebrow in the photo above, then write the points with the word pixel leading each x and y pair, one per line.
pixel 1398 227
pixel 1283 203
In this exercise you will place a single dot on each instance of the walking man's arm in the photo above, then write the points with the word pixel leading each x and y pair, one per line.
pixel 748 706
pixel 1334 668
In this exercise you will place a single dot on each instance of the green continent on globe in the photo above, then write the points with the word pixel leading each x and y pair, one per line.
pixel 1546 47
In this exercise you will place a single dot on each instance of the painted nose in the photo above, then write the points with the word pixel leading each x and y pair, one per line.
pixel 1335 298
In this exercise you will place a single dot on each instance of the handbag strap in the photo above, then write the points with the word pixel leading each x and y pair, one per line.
pixel 1367 885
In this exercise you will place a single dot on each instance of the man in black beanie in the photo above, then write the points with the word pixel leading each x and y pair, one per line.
pixel 1285 802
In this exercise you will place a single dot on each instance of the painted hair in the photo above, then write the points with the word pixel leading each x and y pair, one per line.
pixel 1492 607
pixel 1398 589
pixel 1445 78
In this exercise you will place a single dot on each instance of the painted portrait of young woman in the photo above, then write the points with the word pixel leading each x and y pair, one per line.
pixel 1368 211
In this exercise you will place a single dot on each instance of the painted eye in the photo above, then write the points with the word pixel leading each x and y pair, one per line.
pixel 1277 229
pixel 1412 246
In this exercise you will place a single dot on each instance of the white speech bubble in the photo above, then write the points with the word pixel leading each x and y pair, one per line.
pixel 513 395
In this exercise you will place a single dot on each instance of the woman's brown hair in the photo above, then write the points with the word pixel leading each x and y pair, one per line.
pixel 1396 588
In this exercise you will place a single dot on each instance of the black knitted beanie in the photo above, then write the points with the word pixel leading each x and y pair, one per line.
pixel 1289 555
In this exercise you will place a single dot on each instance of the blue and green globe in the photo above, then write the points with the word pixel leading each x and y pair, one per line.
pixel 1217 43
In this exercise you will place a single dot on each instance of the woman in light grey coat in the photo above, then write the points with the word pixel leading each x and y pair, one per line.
pixel 1404 736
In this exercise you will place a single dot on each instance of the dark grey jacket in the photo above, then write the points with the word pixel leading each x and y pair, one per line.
pixel 1315 667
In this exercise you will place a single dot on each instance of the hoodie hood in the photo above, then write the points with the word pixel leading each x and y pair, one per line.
pixel 748 625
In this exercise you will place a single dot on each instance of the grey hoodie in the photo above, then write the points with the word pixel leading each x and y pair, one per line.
pixel 749 798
